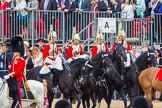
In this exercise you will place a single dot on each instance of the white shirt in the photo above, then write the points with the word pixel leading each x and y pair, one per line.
pixel 152 10
pixel 128 12
pixel 38 61
pixel 100 47
pixel 57 63
pixel 20 7
pixel 76 48
pixel 45 4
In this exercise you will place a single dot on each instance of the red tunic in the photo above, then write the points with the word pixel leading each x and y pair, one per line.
pixel 69 53
pixel 114 46
pixel 95 49
pixel 18 66
pixel 46 50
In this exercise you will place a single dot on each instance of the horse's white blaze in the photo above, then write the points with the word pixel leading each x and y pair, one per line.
pixel 37 89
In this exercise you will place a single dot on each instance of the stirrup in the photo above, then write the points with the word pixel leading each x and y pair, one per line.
pixel 57 92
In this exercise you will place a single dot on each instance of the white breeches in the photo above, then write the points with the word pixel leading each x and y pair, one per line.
pixel 57 64
pixel 128 62
pixel 85 56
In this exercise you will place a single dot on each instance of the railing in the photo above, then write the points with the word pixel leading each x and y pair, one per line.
pixel 37 25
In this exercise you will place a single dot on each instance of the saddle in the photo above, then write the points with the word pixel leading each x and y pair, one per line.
pixel 44 71
pixel 159 75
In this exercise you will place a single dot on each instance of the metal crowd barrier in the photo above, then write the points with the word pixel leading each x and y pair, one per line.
pixel 37 25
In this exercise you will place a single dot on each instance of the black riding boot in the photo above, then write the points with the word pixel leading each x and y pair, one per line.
pixel 56 90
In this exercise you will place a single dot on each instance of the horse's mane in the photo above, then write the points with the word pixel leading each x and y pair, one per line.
pixel 141 57
pixel 77 62
pixel 114 52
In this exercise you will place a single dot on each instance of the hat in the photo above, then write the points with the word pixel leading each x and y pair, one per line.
pixel 52 34
pixel 121 33
pixel 120 30
pixel 17 45
pixel 40 40
pixel 101 36
pixel 26 43
pixel 76 36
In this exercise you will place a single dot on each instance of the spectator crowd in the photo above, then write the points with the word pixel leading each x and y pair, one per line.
pixel 19 19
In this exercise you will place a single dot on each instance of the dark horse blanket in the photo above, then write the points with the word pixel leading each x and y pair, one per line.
pixel 159 75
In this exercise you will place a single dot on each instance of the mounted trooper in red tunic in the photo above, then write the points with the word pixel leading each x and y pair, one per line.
pixel 99 45
pixel 50 53
pixel 126 45
pixel 75 50
pixel 52 60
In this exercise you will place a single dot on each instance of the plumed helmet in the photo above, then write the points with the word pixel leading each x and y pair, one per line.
pixel 51 35
pixel 121 33
pixel 17 45
pixel 76 36
pixel 101 36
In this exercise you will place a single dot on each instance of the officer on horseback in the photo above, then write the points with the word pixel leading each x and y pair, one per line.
pixel 50 54
pixel 17 67
pixel 99 45
pixel 75 50
pixel 126 45
pixel 52 60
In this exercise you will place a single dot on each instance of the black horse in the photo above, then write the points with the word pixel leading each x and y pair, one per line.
pixel 144 61
pixel 66 84
pixel 97 71
pixel 65 81
pixel 113 78
pixel 93 77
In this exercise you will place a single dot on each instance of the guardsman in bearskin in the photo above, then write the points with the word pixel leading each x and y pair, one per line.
pixel 17 66
pixel 75 50
pixel 99 45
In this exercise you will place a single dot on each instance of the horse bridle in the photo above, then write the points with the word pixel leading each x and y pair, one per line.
pixel 119 54
pixel 2 85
